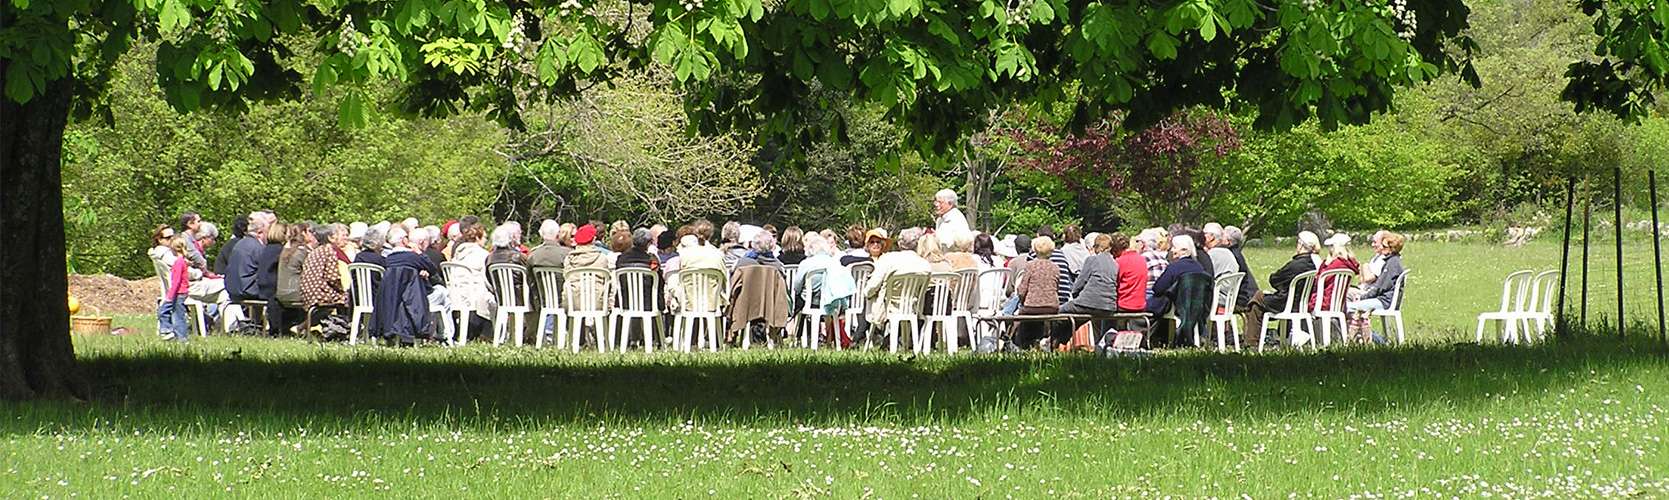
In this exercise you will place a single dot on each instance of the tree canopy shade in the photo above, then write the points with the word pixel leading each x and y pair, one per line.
pixel 1631 61
pixel 936 66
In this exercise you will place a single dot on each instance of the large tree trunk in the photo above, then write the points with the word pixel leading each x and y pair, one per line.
pixel 37 359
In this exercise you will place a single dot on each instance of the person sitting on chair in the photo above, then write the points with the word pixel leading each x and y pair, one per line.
pixel 1036 293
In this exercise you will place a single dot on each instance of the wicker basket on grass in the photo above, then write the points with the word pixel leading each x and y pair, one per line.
pixel 90 325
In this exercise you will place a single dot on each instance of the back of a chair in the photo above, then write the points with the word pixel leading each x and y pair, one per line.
pixel 1227 294
pixel 453 271
pixel 703 290
pixel 635 289
pixel 1545 289
pixel 1330 287
pixel 903 292
pixel 860 278
pixel 1396 290
pixel 993 286
pixel 966 296
pixel 586 289
pixel 361 275
pixel 814 275
pixel 941 287
pixel 789 271
pixel 509 284
pixel 1514 291
pixel 550 286
pixel 1298 293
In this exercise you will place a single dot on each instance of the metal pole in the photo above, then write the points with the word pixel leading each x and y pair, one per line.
pixel 1657 254
pixel 1564 257
pixel 1587 223
pixel 1617 225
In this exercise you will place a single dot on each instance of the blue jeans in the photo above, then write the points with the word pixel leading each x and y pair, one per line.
pixel 1012 306
pixel 172 315
pixel 1365 305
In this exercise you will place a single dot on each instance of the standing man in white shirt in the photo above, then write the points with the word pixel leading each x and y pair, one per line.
pixel 951 226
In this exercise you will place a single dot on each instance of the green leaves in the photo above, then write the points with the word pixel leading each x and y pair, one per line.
pixel 173 17
pixel 24 82
pixel 1162 45
pixel 353 113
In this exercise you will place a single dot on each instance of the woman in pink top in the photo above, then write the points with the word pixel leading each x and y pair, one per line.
pixel 175 291
pixel 1132 275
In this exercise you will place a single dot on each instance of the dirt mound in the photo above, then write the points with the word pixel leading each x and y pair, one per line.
pixel 113 295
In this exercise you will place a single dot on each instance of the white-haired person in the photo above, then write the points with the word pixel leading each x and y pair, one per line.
pixel 1338 257
pixel 1303 260
pixel 1155 250
pixel 949 225
pixel 833 287
pixel 422 243
pixel 1378 295
pixel 557 241
pixel 763 253
pixel 505 247
pixel 1184 261
pixel 904 260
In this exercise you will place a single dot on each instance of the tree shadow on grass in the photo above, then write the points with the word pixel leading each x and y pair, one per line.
pixel 339 388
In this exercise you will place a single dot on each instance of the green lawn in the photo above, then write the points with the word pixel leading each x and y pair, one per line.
pixel 287 418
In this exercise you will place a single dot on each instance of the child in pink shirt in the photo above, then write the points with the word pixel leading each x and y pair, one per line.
pixel 175 291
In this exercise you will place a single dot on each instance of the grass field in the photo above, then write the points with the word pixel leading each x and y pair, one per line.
pixel 231 416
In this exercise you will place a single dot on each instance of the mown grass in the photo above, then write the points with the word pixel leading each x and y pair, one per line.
pixel 257 417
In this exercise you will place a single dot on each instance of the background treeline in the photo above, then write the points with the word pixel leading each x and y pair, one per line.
pixel 1450 154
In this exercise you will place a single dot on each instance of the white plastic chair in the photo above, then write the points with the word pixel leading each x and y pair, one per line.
pixel 1544 288
pixel 989 298
pixel 510 288
pixel 902 294
pixel 362 297
pixel 1223 304
pixel 703 306
pixel 1334 312
pixel 1395 311
pixel 586 294
pixel 550 306
pixel 636 291
pixel 860 272
pixel 454 273
pixel 811 314
pixel 770 340
pixel 1296 310
pixel 1515 306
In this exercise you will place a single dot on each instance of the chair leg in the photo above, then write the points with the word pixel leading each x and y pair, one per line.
pixel 1480 338
pixel 1263 333
pixel 892 333
pixel 1398 318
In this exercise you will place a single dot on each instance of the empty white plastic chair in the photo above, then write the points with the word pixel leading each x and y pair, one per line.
pixel 1544 289
pixel 989 298
pixel 510 289
pixel 585 293
pixel 1515 304
pixel 1295 312
pixel 461 311
pixel 855 309
pixel 362 296
pixel 810 322
pixel 702 309
pixel 636 291
pixel 1394 313
pixel 549 280
pixel 1328 306
pixel 902 294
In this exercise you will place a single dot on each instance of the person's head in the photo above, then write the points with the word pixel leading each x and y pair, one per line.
pixel 909 238
pixel 1182 245
pixel 434 235
pixel 503 237
pixel 472 233
pixel 792 239
pixel 1213 235
pixel 876 242
pixel 620 225
pixel 1391 243
pixel 1101 243
pixel 1117 243
pixel 548 231
pixel 1022 244
pixel 323 234
pixel 1046 231
pixel 829 235
pixel 453 231
pixel 373 240
pixel 356 231
pixel 467 222
pixel 301 235
pixel 1147 240
pixel 410 224
pixel 1043 246
pixel 688 241
pixel 397 236
pixel 764 242
pixel 816 244
pixel 161 234
pixel 585 235
pixel 732 232
pixel 656 230
pixel 640 240
pixel 984 246
pixel 420 239
pixel 1198 237
pixel 963 244
pixel 620 241
pixel 1071 234
pixel 257 225
pixel 1338 247
pixel 1233 237
pixel 277 233
pixel 855 236
pixel 177 244
pixel 240 226
pixel 704 230
pixel 943 201
pixel 929 248
pixel 515 232
pixel 189 221
pixel 1308 242
pixel 666 240
pixel 207 232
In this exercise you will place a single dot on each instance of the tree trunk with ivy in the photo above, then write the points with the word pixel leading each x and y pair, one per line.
pixel 37 359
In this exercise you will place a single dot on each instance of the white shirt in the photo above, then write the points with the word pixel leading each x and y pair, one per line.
pixel 952 227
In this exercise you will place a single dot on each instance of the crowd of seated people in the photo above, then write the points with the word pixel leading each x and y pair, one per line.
pixel 292 278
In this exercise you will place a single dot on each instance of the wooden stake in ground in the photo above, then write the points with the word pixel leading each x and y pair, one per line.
pixel 1657 254
pixel 1564 257
pixel 1617 226
pixel 1587 222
